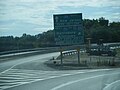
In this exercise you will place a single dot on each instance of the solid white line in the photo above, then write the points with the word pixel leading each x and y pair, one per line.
pixel 22 73
pixel 10 78
pixel 19 74
pixel 27 70
pixel 111 84
pixel 71 82
pixel 17 81
pixel 9 83
pixel 5 87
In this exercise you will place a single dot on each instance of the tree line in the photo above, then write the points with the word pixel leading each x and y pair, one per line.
pixel 102 29
pixel 95 29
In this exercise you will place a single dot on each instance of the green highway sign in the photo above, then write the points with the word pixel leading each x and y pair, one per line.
pixel 68 29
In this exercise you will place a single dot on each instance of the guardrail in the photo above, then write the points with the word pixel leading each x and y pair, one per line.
pixel 25 50
pixel 73 47
pixel 70 52
pixel 25 54
pixel 37 49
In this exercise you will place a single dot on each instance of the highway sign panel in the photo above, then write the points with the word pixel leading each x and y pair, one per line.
pixel 68 29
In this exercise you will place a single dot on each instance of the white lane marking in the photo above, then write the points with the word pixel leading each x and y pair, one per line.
pixel 8 77
pixel 22 73
pixel 111 84
pixel 9 86
pixel 46 56
pixel 25 72
pixel 19 77
pixel 17 72
pixel 9 83
pixel 50 77
pixel 71 82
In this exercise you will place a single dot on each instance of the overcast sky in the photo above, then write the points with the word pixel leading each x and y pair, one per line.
pixel 36 16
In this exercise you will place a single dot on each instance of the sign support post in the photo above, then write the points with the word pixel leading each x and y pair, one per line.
pixel 78 50
pixel 61 55
pixel 89 44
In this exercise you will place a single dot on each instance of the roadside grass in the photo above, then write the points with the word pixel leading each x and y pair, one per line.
pixel 93 60
pixel 70 62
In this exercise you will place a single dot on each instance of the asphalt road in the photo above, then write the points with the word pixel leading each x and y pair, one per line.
pixel 5 66
pixel 29 73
